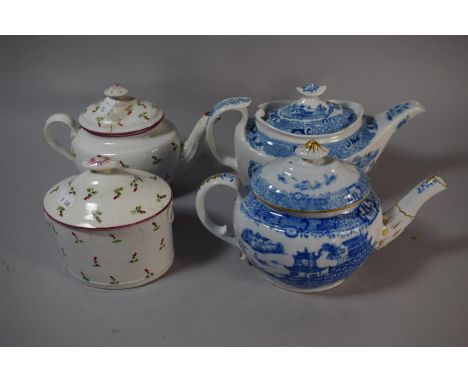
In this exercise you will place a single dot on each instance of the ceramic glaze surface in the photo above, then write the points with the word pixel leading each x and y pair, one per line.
pixel 280 127
pixel 130 130
pixel 120 258
pixel 113 225
pixel 306 251
pixel 310 115
pixel 107 196
pixel 310 181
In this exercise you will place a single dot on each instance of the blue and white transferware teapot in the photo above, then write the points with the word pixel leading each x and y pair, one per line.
pixel 311 220
pixel 279 127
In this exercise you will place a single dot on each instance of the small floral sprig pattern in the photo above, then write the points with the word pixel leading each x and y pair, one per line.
pixel 97 216
pixel 60 209
pixel 90 192
pixel 95 262
pixel 54 190
pixel 148 273
pixel 134 183
pixel 141 104
pixel 138 210
pixel 134 258
pixel 77 239
pixel 99 120
pixel 144 115
pixel 124 165
pixel 72 191
pixel 156 160
pixel 174 146
pixel 53 228
pixel 162 244
pixel 156 226
pixel 113 281
pixel 117 192
pixel 83 276
pixel 160 197
pixel 114 238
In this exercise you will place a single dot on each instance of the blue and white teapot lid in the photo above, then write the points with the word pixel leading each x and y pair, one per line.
pixel 310 182
pixel 310 115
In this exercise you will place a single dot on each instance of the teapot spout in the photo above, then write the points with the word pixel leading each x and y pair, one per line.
pixel 397 218
pixel 384 124
pixel 396 116
pixel 191 146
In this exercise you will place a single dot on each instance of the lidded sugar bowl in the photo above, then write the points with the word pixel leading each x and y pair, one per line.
pixel 113 225
pixel 134 132
pixel 308 221
pixel 279 127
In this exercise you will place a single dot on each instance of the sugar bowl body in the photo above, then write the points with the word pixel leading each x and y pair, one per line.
pixel 113 226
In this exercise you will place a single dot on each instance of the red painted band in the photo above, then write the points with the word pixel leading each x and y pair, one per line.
pixel 128 134
pixel 108 228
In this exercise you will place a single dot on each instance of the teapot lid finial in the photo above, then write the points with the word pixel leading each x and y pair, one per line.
pixel 115 90
pixel 311 90
pixel 312 151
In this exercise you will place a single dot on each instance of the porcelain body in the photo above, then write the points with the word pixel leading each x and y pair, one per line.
pixel 309 252
pixel 351 135
pixel 113 226
pixel 136 134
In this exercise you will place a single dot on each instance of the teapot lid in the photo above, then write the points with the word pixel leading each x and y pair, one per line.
pixel 120 115
pixel 310 115
pixel 310 181
pixel 107 196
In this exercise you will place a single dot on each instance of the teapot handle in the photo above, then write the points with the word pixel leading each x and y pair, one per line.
pixel 221 231
pixel 70 123
pixel 238 103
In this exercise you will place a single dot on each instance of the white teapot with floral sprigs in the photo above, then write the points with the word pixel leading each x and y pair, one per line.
pixel 133 132
pixel 310 220
pixel 279 127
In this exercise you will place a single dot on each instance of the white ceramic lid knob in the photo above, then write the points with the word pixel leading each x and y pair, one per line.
pixel 312 151
pixel 115 90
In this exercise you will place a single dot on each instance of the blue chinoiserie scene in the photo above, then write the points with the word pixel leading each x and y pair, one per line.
pixel 309 220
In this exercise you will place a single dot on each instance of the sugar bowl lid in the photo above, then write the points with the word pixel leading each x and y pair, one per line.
pixel 310 115
pixel 107 196
pixel 119 114
pixel 310 181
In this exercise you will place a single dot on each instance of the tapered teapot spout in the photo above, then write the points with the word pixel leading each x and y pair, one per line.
pixel 397 218
pixel 192 145
pixel 390 120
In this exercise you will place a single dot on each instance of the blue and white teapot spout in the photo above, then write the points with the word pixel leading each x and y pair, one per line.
pixel 279 127
pixel 308 221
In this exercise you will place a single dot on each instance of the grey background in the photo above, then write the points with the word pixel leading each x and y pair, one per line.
pixel 413 292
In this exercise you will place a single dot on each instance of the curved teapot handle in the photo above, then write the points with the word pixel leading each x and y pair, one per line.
pixel 70 123
pixel 238 103
pixel 221 231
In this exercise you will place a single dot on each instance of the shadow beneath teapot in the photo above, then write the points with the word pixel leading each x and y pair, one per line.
pixel 194 245
pixel 190 179
pixel 398 262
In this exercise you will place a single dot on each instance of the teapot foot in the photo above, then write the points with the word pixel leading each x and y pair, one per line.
pixel 289 288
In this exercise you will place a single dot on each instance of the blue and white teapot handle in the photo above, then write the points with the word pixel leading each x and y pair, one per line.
pixel 239 104
pixel 221 231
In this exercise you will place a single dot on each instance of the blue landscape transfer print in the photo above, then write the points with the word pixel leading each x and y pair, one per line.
pixel 307 269
pixel 300 200
pixel 341 149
